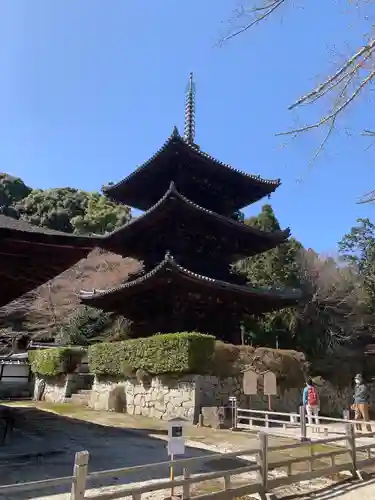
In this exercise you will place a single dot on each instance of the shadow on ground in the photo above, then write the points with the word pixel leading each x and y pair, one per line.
pixel 43 446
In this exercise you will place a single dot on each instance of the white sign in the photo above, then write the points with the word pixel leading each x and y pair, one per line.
pixel 176 448
pixel 270 384
pixel 176 438
pixel 250 382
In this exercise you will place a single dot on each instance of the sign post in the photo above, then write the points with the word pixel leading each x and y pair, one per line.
pixel 221 415
pixel 250 384
pixel 270 387
pixel 176 443
pixel 233 404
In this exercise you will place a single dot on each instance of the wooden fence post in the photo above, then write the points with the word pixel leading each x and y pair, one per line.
pixel 263 461
pixel 80 470
pixel 350 436
pixel 186 486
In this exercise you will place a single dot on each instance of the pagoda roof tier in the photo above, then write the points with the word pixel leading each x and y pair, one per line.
pixel 168 277
pixel 197 174
pixel 31 255
pixel 174 210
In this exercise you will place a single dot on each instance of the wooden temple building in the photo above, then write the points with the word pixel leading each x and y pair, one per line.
pixel 32 255
pixel 187 239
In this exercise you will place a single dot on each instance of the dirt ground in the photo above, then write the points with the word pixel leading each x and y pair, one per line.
pixel 44 443
pixel 47 436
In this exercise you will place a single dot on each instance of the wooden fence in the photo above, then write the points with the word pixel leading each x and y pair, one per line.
pixel 356 457
pixel 248 419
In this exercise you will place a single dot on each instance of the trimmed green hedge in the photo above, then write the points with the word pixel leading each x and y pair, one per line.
pixel 183 352
pixel 55 361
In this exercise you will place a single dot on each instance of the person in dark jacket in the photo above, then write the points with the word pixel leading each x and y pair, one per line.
pixel 361 402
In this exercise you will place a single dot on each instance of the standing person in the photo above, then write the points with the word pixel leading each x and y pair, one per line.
pixel 361 402
pixel 310 400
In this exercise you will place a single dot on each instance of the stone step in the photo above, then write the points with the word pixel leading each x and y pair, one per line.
pixel 89 376
pixel 79 399
pixel 86 392
pixel 82 381
pixel 86 380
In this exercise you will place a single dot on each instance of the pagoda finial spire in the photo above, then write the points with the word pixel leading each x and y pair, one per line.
pixel 189 128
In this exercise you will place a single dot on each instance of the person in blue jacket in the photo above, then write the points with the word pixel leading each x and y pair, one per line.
pixel 310 400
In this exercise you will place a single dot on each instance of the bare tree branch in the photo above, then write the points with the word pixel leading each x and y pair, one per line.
pixel 357 71
pixel 366 51
pixel 335 112
pixel 265 10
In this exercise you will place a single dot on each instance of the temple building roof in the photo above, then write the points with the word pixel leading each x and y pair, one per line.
pixel 162 216
pixel 32 255
pixel 169 274
pixel 190 168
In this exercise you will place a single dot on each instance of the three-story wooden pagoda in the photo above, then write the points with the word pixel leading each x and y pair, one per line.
pixel 187 239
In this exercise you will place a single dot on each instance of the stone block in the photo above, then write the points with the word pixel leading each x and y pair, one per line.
pixel 216 417
pixel 137 399
pixel 137 410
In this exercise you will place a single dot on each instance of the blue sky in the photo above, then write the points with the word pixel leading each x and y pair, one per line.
pixel 89 89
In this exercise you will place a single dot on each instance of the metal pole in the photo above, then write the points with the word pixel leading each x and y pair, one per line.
pixel 171 475
pixel 233 402
pixel 269 402
pixel 302 418
pixel 242 329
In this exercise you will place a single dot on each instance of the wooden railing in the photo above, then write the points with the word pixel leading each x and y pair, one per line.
pixel 258 459
pixel 249 419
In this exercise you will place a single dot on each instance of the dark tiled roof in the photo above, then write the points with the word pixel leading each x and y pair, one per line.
pixel 17 229
pixel 169 264
pixel 173 192
pixel 252 239
pixel 32 255
pixel 268 186
pixel 21 225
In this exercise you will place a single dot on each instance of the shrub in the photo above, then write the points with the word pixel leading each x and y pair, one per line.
pixel 83 327
pixel 226 360
pixel 126 369
pixel 166 353
pixel 289 366
pixel 55 361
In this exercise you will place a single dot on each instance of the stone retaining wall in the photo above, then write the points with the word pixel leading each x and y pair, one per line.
pixel 161 398
pixel 56 389
pixel 168 397
pixel 333 400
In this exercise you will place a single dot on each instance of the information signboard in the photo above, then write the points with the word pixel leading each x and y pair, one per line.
pixel 269 383
pixel 250 382
pixel 176 439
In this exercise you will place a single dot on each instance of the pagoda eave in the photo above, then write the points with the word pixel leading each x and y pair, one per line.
pixel 142 188
pixel 168 279
pixel 162 217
